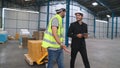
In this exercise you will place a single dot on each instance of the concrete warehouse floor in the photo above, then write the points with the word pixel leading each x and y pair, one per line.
pixel 101 53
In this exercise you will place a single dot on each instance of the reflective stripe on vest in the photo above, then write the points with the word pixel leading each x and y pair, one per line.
pixel 49 40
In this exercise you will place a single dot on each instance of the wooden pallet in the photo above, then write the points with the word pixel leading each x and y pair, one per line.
pixel 41 61
pixel 28 59
pixel 2 42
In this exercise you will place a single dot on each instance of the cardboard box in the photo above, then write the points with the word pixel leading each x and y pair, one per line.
pixel 35 49
pixel 38 35
pixel 25 41
pixel 17 35
pixel 41 35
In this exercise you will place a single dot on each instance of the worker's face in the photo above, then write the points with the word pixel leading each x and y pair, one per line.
pixel 79 17
pixel 63 14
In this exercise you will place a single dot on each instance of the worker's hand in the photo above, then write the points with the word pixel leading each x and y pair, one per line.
pixel 79 35
pixel 63 46
pixel 65 49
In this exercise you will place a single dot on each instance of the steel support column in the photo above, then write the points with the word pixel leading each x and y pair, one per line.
pixel 48 4
pixel 108 28
pixel 67 20
pixel 116 27
pixel 94 26
pixel 112 30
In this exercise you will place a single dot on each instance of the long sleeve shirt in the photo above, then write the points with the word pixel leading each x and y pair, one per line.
pixel 74 29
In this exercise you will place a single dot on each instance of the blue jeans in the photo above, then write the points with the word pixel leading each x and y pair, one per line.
pixel 55 56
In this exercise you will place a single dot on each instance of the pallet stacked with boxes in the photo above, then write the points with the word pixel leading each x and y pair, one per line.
pixel 36 53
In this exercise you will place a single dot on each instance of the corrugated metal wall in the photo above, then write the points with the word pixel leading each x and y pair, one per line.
pixel 118 27
pixel 114 31
pixel 15 20
pixel 101 29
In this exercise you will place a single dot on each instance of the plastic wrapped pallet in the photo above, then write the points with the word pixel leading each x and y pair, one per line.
pixel 3 36
pixel 23 34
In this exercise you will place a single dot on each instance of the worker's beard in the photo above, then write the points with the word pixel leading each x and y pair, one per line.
pixel 63 16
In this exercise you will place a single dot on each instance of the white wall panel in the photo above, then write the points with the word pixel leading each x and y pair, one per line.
pixel 43 9
pixel 72 19
pixel 23 15
pixel 85 21
pixel 20 20
pixel 11 32
pixel 10 14
pixel 85 14
pixel 34 16
pixel 43 16
pixel 43 25
pixel 10 23
pixel 90 16
pixel 90 28
pixel 22 24
pixel 50 16
pixel 33 25
pixel 52 9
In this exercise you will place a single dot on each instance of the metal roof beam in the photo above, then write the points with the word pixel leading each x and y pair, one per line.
pixel 103 3
pixel 105 11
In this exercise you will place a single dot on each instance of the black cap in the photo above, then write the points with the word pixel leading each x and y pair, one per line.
pixel 79 13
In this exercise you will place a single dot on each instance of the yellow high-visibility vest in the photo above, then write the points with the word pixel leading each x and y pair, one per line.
pixel 48 39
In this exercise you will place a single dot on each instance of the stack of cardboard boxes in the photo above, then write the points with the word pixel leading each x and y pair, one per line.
pixel 38 35
pixel 25 41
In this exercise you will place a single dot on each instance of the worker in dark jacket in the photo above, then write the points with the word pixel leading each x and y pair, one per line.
pixel 78 32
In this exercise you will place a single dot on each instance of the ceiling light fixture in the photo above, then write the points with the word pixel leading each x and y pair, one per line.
pixel 94 3
pixel 108 16
pixel 27 0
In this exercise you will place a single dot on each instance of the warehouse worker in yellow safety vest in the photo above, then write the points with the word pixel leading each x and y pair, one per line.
pixel 53 39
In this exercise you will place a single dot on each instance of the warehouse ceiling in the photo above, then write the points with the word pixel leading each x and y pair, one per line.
pixel 103 8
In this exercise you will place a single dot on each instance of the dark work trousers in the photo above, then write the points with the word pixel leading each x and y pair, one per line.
pixel 83 52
